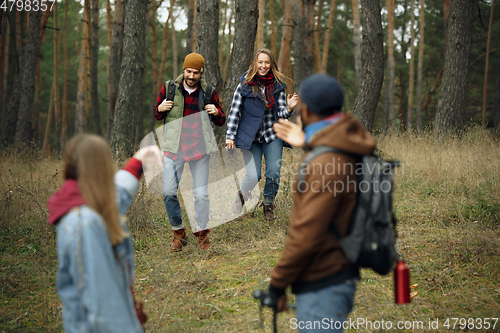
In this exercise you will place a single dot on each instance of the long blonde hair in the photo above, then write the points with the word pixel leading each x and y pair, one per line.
pixel 87 159
pixel 252 69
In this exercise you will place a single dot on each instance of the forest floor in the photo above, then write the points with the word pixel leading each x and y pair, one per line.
pixel 447 200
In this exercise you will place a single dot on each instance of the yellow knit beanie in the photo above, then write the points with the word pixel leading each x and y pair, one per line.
pixel 194 60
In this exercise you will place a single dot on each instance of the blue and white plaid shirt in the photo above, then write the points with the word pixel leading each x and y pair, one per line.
pixel 266 131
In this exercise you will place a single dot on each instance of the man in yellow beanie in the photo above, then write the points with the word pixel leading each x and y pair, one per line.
pixel 185 105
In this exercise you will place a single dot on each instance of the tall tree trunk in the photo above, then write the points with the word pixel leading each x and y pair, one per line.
pixel 115 60
pixel 190 34
pixel 175 51
pixel 154 59
pixel 358 63
pixel 94 72
pixel 123 133
pixel 23 127
pixel 45 145
pixel 317 27
pixel 389 112
pixel 432 90
pixel 485 88
pixel 303 41
pixel 36 112
pixel 246 14
pixel 18 38
pixel 223 39
pixel 228 51
pixel 446 14
pixel 80 119
pixel 259 39
pixel 273 27
pixel 411 91
pixel 5 73
pixel 453 91
pixel 286 37
pixel 164 46
pixel 3 45
pixel 57 111
pixel 496 111
pixel 139 128
pixel 365 104
pixel 420 66
pixel 208 36
pixel 326 43
pixel 64 128
pixel 402 77
pixel 342 47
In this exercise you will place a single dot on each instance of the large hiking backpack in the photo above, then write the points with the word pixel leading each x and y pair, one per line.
pixel 370 239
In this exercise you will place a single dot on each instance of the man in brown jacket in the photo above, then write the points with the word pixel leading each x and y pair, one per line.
pixel 312 261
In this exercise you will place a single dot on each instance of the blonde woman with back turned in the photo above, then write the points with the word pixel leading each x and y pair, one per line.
pixel 95 275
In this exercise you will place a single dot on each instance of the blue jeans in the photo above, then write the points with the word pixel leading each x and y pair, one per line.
pixel 325 310
pixel 172 173
pixel 273 152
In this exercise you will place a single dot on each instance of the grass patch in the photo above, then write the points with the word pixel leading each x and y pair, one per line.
pixel 446 199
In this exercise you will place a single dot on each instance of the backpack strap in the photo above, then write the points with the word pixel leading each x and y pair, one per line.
pixel 315 152
pixel 208 94
pixel 170 90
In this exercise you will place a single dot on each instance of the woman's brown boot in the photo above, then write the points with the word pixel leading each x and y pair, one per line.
pixel 203 239
pixel 268 212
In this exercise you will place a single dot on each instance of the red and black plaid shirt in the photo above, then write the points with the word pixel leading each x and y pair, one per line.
pixel 192 143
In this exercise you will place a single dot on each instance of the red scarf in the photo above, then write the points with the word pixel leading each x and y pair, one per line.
pixel 268 82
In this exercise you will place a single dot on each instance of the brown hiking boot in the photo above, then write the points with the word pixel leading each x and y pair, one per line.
pixel 239 202
pixel 179 241
pixel 203 239
pixel 268 212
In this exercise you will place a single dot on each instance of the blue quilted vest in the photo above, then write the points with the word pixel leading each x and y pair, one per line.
pixel 252 113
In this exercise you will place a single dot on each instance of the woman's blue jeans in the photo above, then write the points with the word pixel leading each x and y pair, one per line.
pixel 272 152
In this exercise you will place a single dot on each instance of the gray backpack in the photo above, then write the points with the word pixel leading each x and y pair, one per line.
pixel 370 240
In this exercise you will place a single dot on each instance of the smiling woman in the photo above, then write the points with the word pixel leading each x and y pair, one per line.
pixel 258 102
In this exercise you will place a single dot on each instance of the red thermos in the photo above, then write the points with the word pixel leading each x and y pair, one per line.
pixel 401 283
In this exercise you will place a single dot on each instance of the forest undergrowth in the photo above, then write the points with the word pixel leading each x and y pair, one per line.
pixel 447 200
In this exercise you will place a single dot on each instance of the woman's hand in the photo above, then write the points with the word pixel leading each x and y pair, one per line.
pixel 150 155
pixel 230 144
pixel 290 132
pixel 292 101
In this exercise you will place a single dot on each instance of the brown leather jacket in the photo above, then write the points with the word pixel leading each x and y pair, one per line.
pixel 312 258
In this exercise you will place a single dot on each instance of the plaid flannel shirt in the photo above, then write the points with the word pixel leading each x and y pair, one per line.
pixel 192 143
pixel 266 132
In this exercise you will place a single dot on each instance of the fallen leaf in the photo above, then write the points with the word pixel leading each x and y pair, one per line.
pixel 413 294
pixel 414 286
pixel 150 290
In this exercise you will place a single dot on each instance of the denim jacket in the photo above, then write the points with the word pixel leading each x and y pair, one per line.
pixel 95 288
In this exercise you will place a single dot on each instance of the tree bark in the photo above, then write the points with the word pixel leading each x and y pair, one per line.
pixel 164 45
pixel 115 60
pixel 259 39
pixel 4 45
pixel 154 58
pixel 273 27
pixel 246 14
pixel 420 66
pixel 45 145
pixel 286 35
pixel 389 111
pixel 65 79
pixel 228 52
pixel 223 38
pixel 326 43
pixel 94 73
pixel 208 36
pixel 409 113
pixel 342 47
pixel 358 62
pixel 496 111
pixel 190 28
pixel 5 74
pixel 57 111
pixel 23 127
pixel 365 104
pixel 303 40
pixel 453 91
pixel 485 87
pixel 123 133
pixel 317 30
pixel 80 120
pixel 175 52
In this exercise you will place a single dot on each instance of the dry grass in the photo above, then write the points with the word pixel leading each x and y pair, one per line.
pixel 447 201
